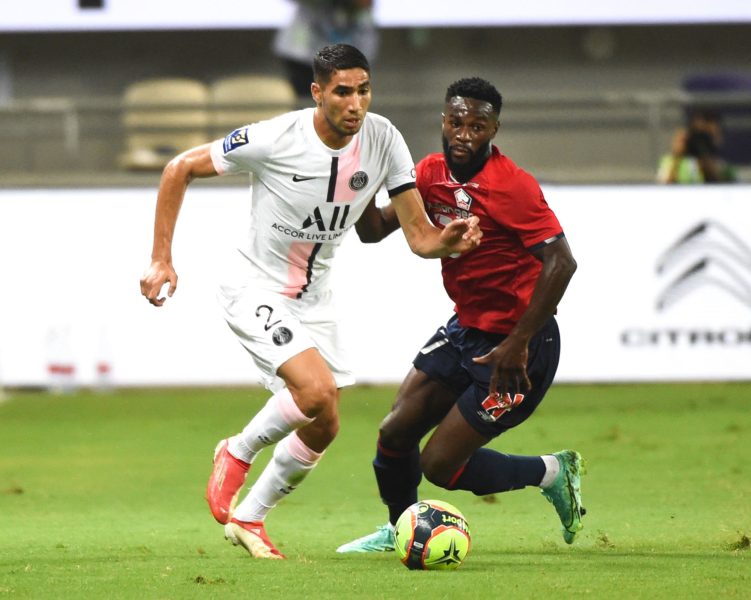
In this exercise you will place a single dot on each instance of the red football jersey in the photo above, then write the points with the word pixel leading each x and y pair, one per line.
pixel 492 285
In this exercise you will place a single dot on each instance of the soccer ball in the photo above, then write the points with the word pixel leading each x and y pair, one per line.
pixel 432 534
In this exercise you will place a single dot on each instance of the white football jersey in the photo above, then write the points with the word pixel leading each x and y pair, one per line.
pixel 305 195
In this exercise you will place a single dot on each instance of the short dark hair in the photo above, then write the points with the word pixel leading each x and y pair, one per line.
pixel 477 88
pixel 337 57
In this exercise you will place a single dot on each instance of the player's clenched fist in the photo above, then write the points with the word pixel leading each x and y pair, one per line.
pixel 462 235
pixel 153 280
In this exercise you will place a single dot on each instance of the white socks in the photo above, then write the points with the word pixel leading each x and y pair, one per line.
pixel 552 468
pixel 273 422
pixel 291 463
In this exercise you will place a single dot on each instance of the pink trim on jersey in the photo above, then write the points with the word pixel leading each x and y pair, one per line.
pixel 289 410
pixel 297 272
pixel 349 164
pixel 299 451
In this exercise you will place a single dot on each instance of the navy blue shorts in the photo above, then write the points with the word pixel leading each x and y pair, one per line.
pixel 447 357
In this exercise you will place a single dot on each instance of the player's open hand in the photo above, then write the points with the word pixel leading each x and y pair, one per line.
pixel 509 374
pixel 158 274
pixel 462 235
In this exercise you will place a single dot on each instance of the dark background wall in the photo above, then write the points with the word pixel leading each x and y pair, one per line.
pixel 579 102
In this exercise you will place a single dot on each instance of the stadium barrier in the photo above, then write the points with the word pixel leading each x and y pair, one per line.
pixel 663 290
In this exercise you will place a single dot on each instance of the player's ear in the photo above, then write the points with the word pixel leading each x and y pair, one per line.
pixel 497 127
pixel 316 92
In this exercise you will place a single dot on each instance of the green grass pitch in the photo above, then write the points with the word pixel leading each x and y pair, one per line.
pixel 101 496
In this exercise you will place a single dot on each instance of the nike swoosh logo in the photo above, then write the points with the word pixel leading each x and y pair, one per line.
pixel 297 178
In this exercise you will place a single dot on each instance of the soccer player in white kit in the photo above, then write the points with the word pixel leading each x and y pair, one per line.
pixel 313 173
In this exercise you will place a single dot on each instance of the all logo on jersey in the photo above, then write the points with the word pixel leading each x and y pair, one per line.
pixel 358 181
pixel 239 137
pixel 463 199
pixel 332 224
pixel 321 226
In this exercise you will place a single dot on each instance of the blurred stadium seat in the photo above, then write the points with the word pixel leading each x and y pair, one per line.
pixel 161 118
pixel 244 99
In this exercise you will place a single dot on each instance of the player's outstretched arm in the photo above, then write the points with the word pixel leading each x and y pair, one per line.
pixel 178 173
pixel 376 223
pixel 427 241
pixel 510 356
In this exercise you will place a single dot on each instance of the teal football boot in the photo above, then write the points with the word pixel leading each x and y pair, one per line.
pixel 565 493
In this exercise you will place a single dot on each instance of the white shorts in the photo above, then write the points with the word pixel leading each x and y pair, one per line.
pixel 273 328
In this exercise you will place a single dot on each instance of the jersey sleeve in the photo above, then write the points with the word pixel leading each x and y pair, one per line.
pixel 421 170
pixel 527 213
pixel 241 151
pixel 401 168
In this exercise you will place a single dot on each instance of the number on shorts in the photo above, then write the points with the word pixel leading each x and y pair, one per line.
pixel 270 310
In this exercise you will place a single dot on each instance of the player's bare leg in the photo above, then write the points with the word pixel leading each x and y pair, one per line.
pixel 313 388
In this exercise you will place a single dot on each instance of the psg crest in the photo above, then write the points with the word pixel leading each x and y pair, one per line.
pixel 281 336
pixel 358 181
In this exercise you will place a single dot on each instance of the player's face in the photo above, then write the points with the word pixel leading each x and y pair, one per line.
pixel 342 104
pixel 469 125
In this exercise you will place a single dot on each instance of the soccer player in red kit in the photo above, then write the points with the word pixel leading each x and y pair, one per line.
pixel 488 368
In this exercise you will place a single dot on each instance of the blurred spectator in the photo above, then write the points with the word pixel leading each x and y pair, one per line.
pixel 695 153
pixel 318 23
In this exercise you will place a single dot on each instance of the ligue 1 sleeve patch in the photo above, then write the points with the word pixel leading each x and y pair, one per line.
pixel 239 137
